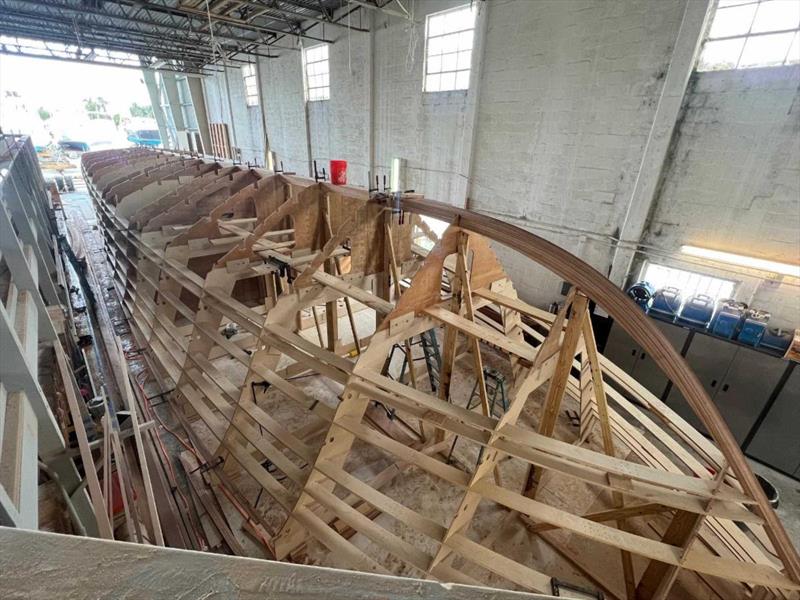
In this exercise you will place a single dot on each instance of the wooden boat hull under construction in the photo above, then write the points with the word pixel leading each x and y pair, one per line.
pixel 235 280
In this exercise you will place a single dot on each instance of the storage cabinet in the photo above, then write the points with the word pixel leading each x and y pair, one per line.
pixel 631 357
pixel 747 387
pixel 739 380
pixel 710 359
pixel 777 441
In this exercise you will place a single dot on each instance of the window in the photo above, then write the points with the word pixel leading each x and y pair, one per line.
pixel 250 85
pixel 448 49
pixel 318 76
pixel 688 282
pixel 752 33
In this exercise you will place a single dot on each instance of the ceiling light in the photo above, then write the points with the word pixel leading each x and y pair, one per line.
pixel 743 261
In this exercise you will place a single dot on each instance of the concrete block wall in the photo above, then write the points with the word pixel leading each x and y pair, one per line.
pixel 551 134
pixel 732 181
pixel 568 95
pixel 282 89
pixel 245 126
pixel 432 131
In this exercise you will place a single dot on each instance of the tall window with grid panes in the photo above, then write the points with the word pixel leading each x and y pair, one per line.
pixel 318 78
pixel 449 36
pixel 752 33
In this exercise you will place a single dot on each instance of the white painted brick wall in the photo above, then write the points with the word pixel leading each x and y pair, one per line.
pixel 340 126
pixel 432 131
pixel 567 98
pixel 733 181
pixel 560 117
pixel 282 85
pixel 246 120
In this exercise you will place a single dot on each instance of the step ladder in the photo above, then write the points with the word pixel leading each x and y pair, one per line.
pixel 430 354
pixel 495 383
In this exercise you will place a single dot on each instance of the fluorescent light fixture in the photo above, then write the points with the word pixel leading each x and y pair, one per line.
pixel 743 261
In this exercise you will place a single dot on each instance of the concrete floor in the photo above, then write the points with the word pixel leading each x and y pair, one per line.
pixel 789 489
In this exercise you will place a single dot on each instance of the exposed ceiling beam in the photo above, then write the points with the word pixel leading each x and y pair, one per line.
pixel 20 52
pixel 92 43
pixel 178 47
pixel 383 9
pixel 301 17
pixel 160 30
pixel 79 12
pixel 237 23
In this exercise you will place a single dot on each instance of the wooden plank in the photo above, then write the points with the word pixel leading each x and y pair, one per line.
pixel 272 486
pixel 598 387
pixel 481 332
pixel 403 452
pixel 336 543
pixel 95 493
pixel 497 563
pixel 387 540
pixel 613 514
pixel 695 560
pixel 208 501
pixel 469 311
pixel 382 502
pixel 371 300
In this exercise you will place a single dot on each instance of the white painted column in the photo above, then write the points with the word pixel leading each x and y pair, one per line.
pixel 684 56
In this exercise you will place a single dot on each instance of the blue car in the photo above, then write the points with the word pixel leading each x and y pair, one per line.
pixel 145 137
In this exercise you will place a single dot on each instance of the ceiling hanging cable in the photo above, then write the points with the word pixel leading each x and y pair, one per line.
pixel 214 48
pixel 349 36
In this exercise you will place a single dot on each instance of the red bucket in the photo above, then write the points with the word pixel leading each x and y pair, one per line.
pixel 339 172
